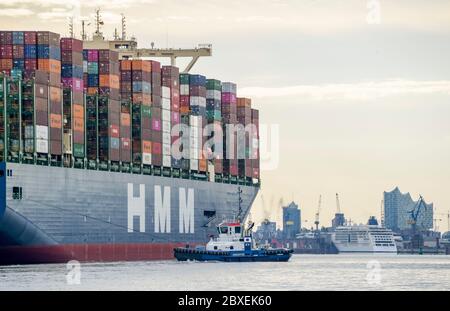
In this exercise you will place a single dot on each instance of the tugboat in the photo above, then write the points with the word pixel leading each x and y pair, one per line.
pixel 234 243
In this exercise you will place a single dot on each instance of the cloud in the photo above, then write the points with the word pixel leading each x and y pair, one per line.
pixel 352 91
pixel 15 12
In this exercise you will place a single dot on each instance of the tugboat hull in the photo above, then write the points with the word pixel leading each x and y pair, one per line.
pixel 185 254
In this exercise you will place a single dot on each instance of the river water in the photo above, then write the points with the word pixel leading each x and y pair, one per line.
pixel 302 272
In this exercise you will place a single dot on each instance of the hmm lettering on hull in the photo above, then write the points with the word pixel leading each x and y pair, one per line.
pixel 162 209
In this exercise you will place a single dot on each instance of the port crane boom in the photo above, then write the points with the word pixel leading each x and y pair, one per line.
pixel 128 48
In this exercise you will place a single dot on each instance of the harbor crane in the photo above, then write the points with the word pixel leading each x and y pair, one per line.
pixel 128 47
pixel 316 222
pixel 414 215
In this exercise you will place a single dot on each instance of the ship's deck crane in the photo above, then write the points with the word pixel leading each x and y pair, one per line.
pixel 128 48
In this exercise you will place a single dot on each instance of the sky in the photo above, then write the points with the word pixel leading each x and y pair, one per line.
pixel 358 90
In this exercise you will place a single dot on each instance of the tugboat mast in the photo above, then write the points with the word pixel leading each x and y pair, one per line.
pixel 239 204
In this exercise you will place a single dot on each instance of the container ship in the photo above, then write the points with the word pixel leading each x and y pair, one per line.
pixel 103 156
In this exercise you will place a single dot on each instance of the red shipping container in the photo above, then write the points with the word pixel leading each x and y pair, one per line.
pixel 30 64
pixel 71 44
pixel 6 51
pixel 114 131
pixel 156 148
pixel 30 37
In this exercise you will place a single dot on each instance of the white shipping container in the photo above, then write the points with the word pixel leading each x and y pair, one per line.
pixel 42 132
pixel 166 126
pixel 202 102
pixel 41 146
pixel 194 120
pixel 194 131
pixel 85 66
pixel 165 115
pixel 147 158
pixel 167 161
pixel 165 103
pixel 194 165
pixel 67 143
pixel 228 87
pixel 184 89
pixel 166 149
pixel 193 153
pixel 211 171
pixel 165 92
pixel 166 138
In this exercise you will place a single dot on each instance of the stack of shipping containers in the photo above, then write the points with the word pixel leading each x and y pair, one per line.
pixel 170 116
pixel 49 62
pixel 141 112
pixel 214 119
pixel 125 115
pixel 73 101
pixel 109 109
pixel 229 117
pixel 103 107
pixel 197 103
pixel 255 147
pixel 2 117
pixel 157 126
pixel 90 84
pixel 118 114
pixel 184 121
pixel 244 118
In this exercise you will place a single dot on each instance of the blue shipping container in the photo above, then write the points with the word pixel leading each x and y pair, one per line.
pixel 18 37
pixel 30 51
pixel 92 80
pixel 197 80
pixel 19 64
pixel 71 71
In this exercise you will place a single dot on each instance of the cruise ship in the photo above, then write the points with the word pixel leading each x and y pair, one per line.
pixel 364 239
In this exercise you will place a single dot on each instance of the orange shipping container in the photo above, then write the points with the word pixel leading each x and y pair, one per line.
pixel 125 65
pixel 92 90
pixel 145 99
pixel 184 110
pixel 78 125
pixel 55 121
pixel 141 65
pixel 49 65
pixel 147 146
pixel 125 119
pixel 55 94
pixel 114 82
pixel 78 111
pixel 6 64
pixel 244 102
pixel 202 164
pixel 111 81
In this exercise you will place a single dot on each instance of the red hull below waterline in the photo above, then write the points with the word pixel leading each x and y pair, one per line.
pixel 13 255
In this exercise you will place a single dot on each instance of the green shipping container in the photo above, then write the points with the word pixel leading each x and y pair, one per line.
pixel 146 111
pixel 184 78
pixel 213 84
pixel 92 68
pixel 78 150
